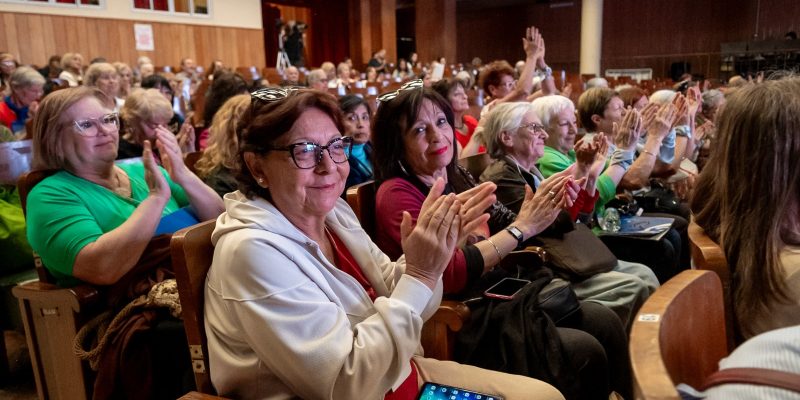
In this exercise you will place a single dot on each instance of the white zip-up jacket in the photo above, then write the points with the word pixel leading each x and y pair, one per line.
pixel 283 322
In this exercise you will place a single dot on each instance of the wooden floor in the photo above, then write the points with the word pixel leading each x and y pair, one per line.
pixel 19 385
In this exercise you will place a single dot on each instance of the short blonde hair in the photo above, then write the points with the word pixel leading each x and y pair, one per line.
pixel 94 72
pixel 67 58
pixel 223 142
pixel 49 125
pixel 144 105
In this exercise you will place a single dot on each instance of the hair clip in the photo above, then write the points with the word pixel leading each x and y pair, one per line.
pixel 410 85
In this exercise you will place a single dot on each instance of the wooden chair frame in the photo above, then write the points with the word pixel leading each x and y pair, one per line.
pixel 192 253
pixel 52 317
pixel 678 335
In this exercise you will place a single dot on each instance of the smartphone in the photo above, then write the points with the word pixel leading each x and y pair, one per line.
pixel 506 288
pixel 435 391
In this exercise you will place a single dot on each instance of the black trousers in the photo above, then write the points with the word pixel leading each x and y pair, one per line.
pixel 596 343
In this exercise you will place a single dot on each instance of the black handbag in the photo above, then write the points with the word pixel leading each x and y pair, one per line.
pixel 558 300
pixel 659 199
pixel 574 252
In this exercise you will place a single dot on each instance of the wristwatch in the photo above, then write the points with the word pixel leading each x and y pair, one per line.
pixel 517 234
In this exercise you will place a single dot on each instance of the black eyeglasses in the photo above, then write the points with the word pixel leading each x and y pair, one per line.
pixel 307 155
pixel 410 85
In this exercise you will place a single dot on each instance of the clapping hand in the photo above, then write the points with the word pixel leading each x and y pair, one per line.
pixel 533 44
pixel 628 131
pixel 474 203
pixel 152 174
pixel 539 210
pixel 429 245
pixel 658 119
pixel 186 137
pixel 171 156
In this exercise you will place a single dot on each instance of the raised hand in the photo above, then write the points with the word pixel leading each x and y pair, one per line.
pixel 533 44
pixel 586 152
pixel 152 174
pixel 628 131
pixel 186 137
pixel 658 124
pixel 539 210
pixel 171 156
pixel 429 245
pixel 602 154
pixel 682 113
pixel 694 100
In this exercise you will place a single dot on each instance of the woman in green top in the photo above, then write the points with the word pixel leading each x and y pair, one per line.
pixel 92 219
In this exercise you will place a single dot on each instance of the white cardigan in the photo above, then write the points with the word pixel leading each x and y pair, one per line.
pixel 283 322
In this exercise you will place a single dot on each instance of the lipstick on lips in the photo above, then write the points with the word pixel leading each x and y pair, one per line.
pixel 440 151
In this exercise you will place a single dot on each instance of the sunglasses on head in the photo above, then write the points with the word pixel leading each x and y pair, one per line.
pixel 410 85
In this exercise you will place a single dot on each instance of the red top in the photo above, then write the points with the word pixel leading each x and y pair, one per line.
pixel 343 259
pixel 395 196
pixel 584 203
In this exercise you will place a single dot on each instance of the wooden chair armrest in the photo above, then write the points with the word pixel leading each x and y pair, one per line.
pixel 452 313
pixel 79 298
pixel 200 396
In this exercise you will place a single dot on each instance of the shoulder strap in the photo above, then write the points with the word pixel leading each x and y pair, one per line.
pixel 755 376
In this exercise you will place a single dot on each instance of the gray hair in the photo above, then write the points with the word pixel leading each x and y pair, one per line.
pixel 663 96
pixel 316 75
pixel 712 98
pixel 24 77
pixel 505 117
pixel 596 82
pixel 548 107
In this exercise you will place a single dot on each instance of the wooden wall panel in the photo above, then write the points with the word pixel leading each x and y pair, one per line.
pixel 35 37
pixel 653 33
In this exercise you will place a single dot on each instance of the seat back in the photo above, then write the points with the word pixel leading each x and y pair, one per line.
pixel 25 184
pixel 678 335
pixel 190 159
pixel 361 199
pixel 475 164
pixel 707 255
pixel 192 253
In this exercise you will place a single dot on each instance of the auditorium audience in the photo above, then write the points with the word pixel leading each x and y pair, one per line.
pixel 497 78
pixel 291 77
pixel 287 245
pixel 8 63
pixel 748 200
pixel 403 70
pixel 217 165
pixel 356 123
pixel 23 100
pixel 104 77
pixel 224 86
pixel 601 110
pixel 317 79
pixel 413 148
pixel 454 91
pixel 145 116
pixel 72 69
pixel 125 74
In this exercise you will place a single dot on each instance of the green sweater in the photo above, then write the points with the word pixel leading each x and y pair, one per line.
pixel 65 213
pixel 554 161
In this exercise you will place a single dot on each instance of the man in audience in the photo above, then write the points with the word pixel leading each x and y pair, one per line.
pixel 291 77
pixel 378 61
pixel 317 79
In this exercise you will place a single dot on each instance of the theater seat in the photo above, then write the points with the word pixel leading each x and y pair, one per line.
pixel 52 316
pixel 678 335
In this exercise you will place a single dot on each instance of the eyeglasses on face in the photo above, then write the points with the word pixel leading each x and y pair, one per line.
pixel 533 127
pixel 307 155
pixel 416 84
pixel 91 127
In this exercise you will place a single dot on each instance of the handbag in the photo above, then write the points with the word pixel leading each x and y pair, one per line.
pixel 659 199
pixel 558 300
pixel 574 252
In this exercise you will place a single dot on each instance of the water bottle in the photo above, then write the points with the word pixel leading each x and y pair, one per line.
pixel 610 221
